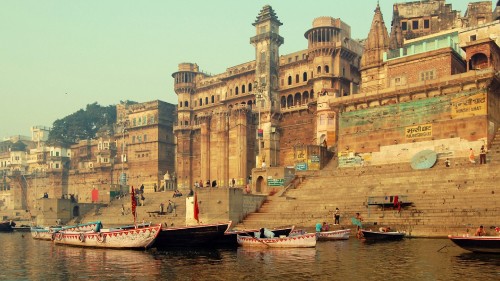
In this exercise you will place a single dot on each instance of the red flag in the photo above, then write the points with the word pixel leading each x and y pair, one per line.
pixel 134 202
pixel 196 208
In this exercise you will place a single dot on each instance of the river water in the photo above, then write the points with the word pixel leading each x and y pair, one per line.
pixel 23 258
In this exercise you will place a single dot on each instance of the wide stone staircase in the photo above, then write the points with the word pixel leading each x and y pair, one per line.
pixel 111 215
pixel 444 200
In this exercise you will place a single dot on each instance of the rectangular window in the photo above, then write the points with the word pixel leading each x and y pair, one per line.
pixel 133 139
pixel 414 24
pixel 404 25
pixel 427 75
pixel 426 24
pixel 473 38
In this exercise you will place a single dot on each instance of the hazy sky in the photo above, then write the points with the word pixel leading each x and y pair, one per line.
pixel 57 56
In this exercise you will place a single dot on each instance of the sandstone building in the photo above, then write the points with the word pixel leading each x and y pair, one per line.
pixel 417 87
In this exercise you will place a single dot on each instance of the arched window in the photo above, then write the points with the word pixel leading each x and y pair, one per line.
pixel 305 97
pixel 249 87
pixel 297 99
pixel 242 89
pixel 213 99
pixel 236 91
pixel 180 104
pixel 201 101
pixel 186 104
pixel 297 80
pixel 319 69
pixel 327 69
pixel 206 100
pixel 289 80
pixel 312 94
pixel 304 76
pixel 283 102
pixel 289 101
pixel 478 61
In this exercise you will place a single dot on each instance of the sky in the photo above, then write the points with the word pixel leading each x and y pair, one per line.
pixel 57 56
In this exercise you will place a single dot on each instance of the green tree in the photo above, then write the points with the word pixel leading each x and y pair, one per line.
pixel 83 124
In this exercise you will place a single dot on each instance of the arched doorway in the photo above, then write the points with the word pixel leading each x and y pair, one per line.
pixel 478 61
pixel 258 184
pixel 76 211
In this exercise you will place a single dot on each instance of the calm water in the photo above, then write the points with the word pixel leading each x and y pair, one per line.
pixel 22 258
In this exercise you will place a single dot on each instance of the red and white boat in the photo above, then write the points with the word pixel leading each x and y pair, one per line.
pixel 342 234
pixel 129 238
pixel 307 240
pixel 47 233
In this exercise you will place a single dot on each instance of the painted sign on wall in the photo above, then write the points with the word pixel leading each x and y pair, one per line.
pixel 418 131
pixel 466 106
pixel 275 182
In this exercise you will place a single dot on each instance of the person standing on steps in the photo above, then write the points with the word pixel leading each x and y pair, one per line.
pixel 336 216
pixel 482 155
pixel 472 156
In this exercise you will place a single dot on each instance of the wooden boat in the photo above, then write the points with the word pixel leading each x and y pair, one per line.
pixel 7 226
pixel 189 236
pixel 130 238
pixel 307 240
pixel 47 233
pixel 381 235
pixel 229 239
pixel 342 234
pixel 478 244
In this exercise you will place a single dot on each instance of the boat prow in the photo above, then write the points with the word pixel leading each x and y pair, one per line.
pixel 477 244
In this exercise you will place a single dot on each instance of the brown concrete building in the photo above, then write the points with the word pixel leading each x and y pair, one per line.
pixel 420 18
pixel 256 113
pixel 371 109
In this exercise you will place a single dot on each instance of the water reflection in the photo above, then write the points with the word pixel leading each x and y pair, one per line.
pixel 410 259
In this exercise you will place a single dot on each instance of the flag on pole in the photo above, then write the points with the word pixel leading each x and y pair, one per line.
pixel 196 210
pixel 134 203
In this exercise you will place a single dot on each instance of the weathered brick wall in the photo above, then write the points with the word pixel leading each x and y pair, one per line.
pixel 442 62
pixel 460 115
pixel 296 128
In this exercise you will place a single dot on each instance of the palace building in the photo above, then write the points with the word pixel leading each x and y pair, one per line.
pixel 429 83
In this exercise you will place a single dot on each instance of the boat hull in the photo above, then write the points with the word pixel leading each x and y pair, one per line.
pixel 6 226
pixel 136 238
pixel 478 244
pixel 190 236
pixel 383 236
pixel 230 237
pixel 307 240
pixel 47 233
pixel 342 234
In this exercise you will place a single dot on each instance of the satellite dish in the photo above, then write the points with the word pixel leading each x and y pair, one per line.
pixel 424 159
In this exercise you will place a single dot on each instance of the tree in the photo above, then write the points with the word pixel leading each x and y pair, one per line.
pixel 82 124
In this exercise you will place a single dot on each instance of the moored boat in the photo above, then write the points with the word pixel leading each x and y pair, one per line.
pixel 7 226
pixel 47 233
pixel 477 244
pixel 229 239
pixel 190 236
pixel 341 234
pixel 307 240
pixel 130 238
pixel 382 235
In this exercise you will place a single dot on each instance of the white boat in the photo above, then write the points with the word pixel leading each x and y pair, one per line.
pixel 129 238
pixel 47 233
pixel 342 234
pixel 307 240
